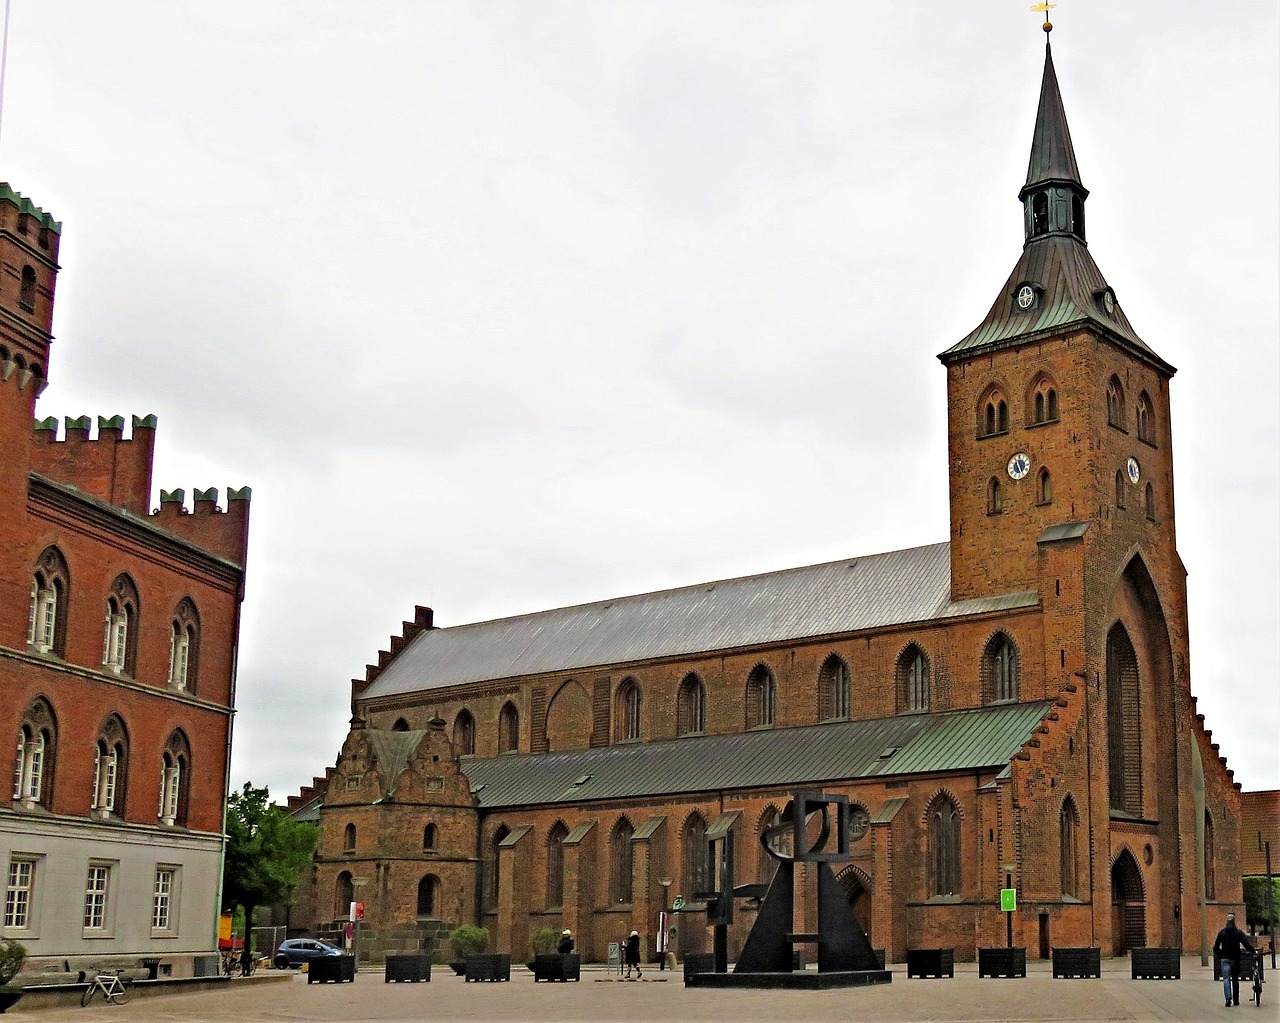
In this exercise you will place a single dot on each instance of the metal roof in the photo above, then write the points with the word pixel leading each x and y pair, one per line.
pixel 1071 292
pixel 842 596
pixel 1053 158
pixel 962 740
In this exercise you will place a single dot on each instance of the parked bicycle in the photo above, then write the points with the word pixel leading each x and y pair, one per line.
pixel 1257 975
pixel 234 966
pixel 115 989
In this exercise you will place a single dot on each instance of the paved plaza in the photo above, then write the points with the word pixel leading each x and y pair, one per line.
pixel 662 997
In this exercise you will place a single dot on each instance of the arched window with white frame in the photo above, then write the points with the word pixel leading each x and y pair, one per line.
pixel 184 647
pixel 110 769
pixel 36 756
pixel 119 636
pixel 47 617
pixel 175 770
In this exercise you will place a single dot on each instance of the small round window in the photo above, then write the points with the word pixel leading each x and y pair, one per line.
pixel 1026 296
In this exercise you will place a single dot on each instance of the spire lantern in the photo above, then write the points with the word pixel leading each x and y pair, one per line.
pixel 1053 197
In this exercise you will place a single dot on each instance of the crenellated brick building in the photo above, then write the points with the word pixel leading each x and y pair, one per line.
pixel 1012 708
pixel 118 633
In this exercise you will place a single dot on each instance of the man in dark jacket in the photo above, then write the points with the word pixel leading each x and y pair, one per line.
pixel 566 943
pixel 1226 950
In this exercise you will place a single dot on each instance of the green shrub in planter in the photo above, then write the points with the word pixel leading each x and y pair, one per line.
pixel 468 940
pixel 12 955
pixel 546 941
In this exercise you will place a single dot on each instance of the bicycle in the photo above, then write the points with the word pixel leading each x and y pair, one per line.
pixel 234 966
pixel 1257 976
pixel 115 989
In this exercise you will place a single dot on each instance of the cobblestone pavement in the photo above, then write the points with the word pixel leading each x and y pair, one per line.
pixel 663 997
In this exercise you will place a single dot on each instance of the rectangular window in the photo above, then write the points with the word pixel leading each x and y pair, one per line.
pixel 17 896
pixel 162 899
pixel 95 897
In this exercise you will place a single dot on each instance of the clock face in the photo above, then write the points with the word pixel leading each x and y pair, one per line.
pixel 1026 296
pixel 1109 302
pixel 1019 466
pixel 1133 469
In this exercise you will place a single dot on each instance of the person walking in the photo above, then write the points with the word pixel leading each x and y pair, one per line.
pixel 1226 950
pixel 566 942
pixel 633 953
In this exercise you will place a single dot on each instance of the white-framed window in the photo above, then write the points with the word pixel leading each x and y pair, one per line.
pixel 28 770
pixel 19 894
pixel 115 639
pixel 179 656
pixel 42 620
pixel 105 764
pixel 164 899
pixel 97 890
pixel 170 786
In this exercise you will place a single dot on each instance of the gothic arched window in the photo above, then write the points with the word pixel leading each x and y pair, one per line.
pixel 1122 482
pixel 762 697
pixel 37 755
pixel 428 891
pixel 627 704
pixel 428 838
pixel 1068 823
pixel 1115 403
pixel 1044 487
pixel 1124 723
pixel 1146 427
pixel 184 647
pixel 694 855
pixel 993 414
pixel 691 706
pixel 110 769
pixel 1000 670
pixel 47 618
pixel 620 863
pixel 120 633
pixel 175 780
pixel 508 729
pixel 555 864
pixel 344 893
pixel 833 689
pixel 913 680
pixel 492 888
pixel 944 846
pixel 1149 502
pixel 464 734
pixel 995 503
pixel 1043 401
pixel 27 292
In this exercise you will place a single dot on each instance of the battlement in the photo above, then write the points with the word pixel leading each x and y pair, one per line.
pixel 111 467
pixel 22 206
pixel 423 621
pixel 222 532
pixel 318 787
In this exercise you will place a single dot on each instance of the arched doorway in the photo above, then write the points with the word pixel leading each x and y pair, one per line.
pixel 1128 905
pixel 857 888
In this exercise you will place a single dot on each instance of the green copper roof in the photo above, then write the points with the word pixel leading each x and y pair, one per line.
pixel 962 740
pixel 25 205
pixel 1052 156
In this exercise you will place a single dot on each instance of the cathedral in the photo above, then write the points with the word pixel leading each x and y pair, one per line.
pixel 1011 708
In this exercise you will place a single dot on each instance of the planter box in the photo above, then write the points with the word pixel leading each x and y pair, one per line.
pixel 555 966
pixel 1002 962
pixel 1077 962
pixel 1246 967
pixel 1155 964
pixel 490 966
pixel 331 969
pixel 930 962
pixel 411 967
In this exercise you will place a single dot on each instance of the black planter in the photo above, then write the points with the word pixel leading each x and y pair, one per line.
pixel 490 966
pixel 1077 962
pixel 1157 964
pixel 9 995
pixel 412 967
pixel 930 962
pixel 556 967
pixel 331 969
pixel 1002 962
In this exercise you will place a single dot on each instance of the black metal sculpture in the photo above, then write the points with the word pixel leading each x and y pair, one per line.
pixel 845 956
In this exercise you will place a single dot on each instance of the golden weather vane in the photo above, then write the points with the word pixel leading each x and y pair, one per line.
pixel 1045 8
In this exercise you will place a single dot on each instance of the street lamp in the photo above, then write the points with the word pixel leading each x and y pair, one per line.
pixel 666 883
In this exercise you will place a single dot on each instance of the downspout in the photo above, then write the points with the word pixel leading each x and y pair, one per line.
pixel 226 774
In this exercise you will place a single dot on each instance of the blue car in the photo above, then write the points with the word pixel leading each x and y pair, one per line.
pixel 297 951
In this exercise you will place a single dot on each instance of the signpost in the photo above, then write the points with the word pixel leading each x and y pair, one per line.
pixel 1008 905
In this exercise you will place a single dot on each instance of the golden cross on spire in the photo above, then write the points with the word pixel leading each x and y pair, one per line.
pixel 1045 8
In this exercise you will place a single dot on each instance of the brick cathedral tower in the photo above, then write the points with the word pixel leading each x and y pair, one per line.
pixel 1061 480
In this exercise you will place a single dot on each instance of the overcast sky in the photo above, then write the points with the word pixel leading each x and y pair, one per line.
pixel 505 306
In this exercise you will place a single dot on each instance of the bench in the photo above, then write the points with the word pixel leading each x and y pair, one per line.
pixel 411 967
pixel 1002 962
pixel 554 966
pixel 331 969
pixel 1156 963
pixel 930 962
pixel 1077 962
pixel 488 966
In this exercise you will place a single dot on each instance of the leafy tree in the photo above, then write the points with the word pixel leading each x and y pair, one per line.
pixel 1256 909
pixel 266 851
